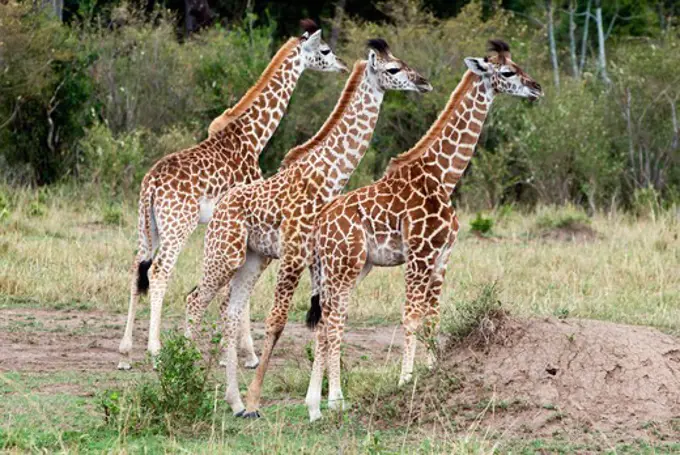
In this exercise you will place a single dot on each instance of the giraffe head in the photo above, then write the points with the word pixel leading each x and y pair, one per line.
pixel 391 72
pixel 316 54
pixel 503 75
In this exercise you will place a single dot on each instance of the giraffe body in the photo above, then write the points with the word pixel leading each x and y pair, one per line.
pixel 406 217
pixel 181 190
pixel 273 219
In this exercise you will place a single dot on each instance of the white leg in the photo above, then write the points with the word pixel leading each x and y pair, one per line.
pixel 313 399
pixel 232 312
pixel 246 343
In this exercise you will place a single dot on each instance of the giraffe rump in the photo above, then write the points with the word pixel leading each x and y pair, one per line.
pixel 351 86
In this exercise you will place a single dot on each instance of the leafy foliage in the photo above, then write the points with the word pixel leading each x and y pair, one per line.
pixel 182 395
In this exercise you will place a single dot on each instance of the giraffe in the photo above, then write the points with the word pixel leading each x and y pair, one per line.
pixel 406 217
pixel 181 190
pixel 273 218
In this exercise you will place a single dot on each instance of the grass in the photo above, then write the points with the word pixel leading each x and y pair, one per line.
pixel 68 255
pixel 72 257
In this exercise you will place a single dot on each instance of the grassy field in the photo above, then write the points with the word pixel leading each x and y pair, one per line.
pixel 62 256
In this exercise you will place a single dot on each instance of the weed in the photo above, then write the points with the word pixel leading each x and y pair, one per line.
pixel 481 225
pixel 112 214
pixel 181 395
pixel 475 314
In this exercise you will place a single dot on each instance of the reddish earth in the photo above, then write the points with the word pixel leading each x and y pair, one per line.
pixel 50 340
pixel 580 379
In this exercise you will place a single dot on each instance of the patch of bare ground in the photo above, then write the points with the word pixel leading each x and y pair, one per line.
pixel 587 381
pixel 33 340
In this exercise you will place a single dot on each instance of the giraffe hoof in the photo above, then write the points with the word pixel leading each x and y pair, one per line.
pixel 251 415
pixel 240 413
pixel 124 366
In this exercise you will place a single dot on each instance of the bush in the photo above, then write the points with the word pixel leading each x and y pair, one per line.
pixel 116 164
pixel 481 225
pixel 182 396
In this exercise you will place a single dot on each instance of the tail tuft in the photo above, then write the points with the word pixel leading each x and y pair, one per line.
pixel 143 276
pixel 314 313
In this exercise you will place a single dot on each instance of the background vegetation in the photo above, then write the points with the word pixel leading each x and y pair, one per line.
pixel 576 201
pixel 96 98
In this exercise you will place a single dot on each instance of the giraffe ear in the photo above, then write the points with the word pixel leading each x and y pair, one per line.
pixel 313 41
pixel 372 60
pixel 478 66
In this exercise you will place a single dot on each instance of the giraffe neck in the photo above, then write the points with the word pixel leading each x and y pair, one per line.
pixel 265 108
pixel 459 126
pixel 339 154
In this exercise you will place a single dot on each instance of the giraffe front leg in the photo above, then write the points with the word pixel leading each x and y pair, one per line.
pixel 290 271
pixel 418 273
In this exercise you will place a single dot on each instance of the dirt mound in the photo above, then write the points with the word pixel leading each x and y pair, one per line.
pixel 589 380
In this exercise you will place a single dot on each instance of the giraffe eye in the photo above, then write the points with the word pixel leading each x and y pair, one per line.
pixel 325 52
pixel 507 73
pixel 393 70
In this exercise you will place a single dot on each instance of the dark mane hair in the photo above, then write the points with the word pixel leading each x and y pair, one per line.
pixel 309 26
pixel 500 48
pixel 379 45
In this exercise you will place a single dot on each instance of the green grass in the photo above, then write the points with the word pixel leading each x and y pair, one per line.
pixel 76 255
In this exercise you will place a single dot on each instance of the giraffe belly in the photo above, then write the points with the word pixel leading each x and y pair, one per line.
pixel 265 241
pixel 206 208
pixel 386 250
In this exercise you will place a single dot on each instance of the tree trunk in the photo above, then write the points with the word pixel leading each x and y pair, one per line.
pixel 55 7
pixel 602 57
pixel 584 40
pixel 337 22
pixel 572 39
pixel 551 41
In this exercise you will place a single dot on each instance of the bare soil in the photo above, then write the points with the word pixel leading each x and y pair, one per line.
pixel 33 340
pixel 588 381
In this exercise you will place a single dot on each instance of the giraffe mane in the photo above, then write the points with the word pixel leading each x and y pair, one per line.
pixel 234 112
pixel 437 127
pixel 351 86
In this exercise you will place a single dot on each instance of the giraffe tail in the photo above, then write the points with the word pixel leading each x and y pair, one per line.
pixel 314 313
pixel 149 232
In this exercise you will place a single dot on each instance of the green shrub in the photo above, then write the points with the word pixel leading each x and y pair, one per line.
pixel 114 163
pixel 481 225
pixel 181 396
pixel 112 214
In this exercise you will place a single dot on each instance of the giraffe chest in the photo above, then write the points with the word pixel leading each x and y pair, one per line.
pixel 265 240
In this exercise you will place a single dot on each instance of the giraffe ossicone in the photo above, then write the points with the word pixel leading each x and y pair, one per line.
pixel 274 218
pixel 181 190
pixel 406 217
